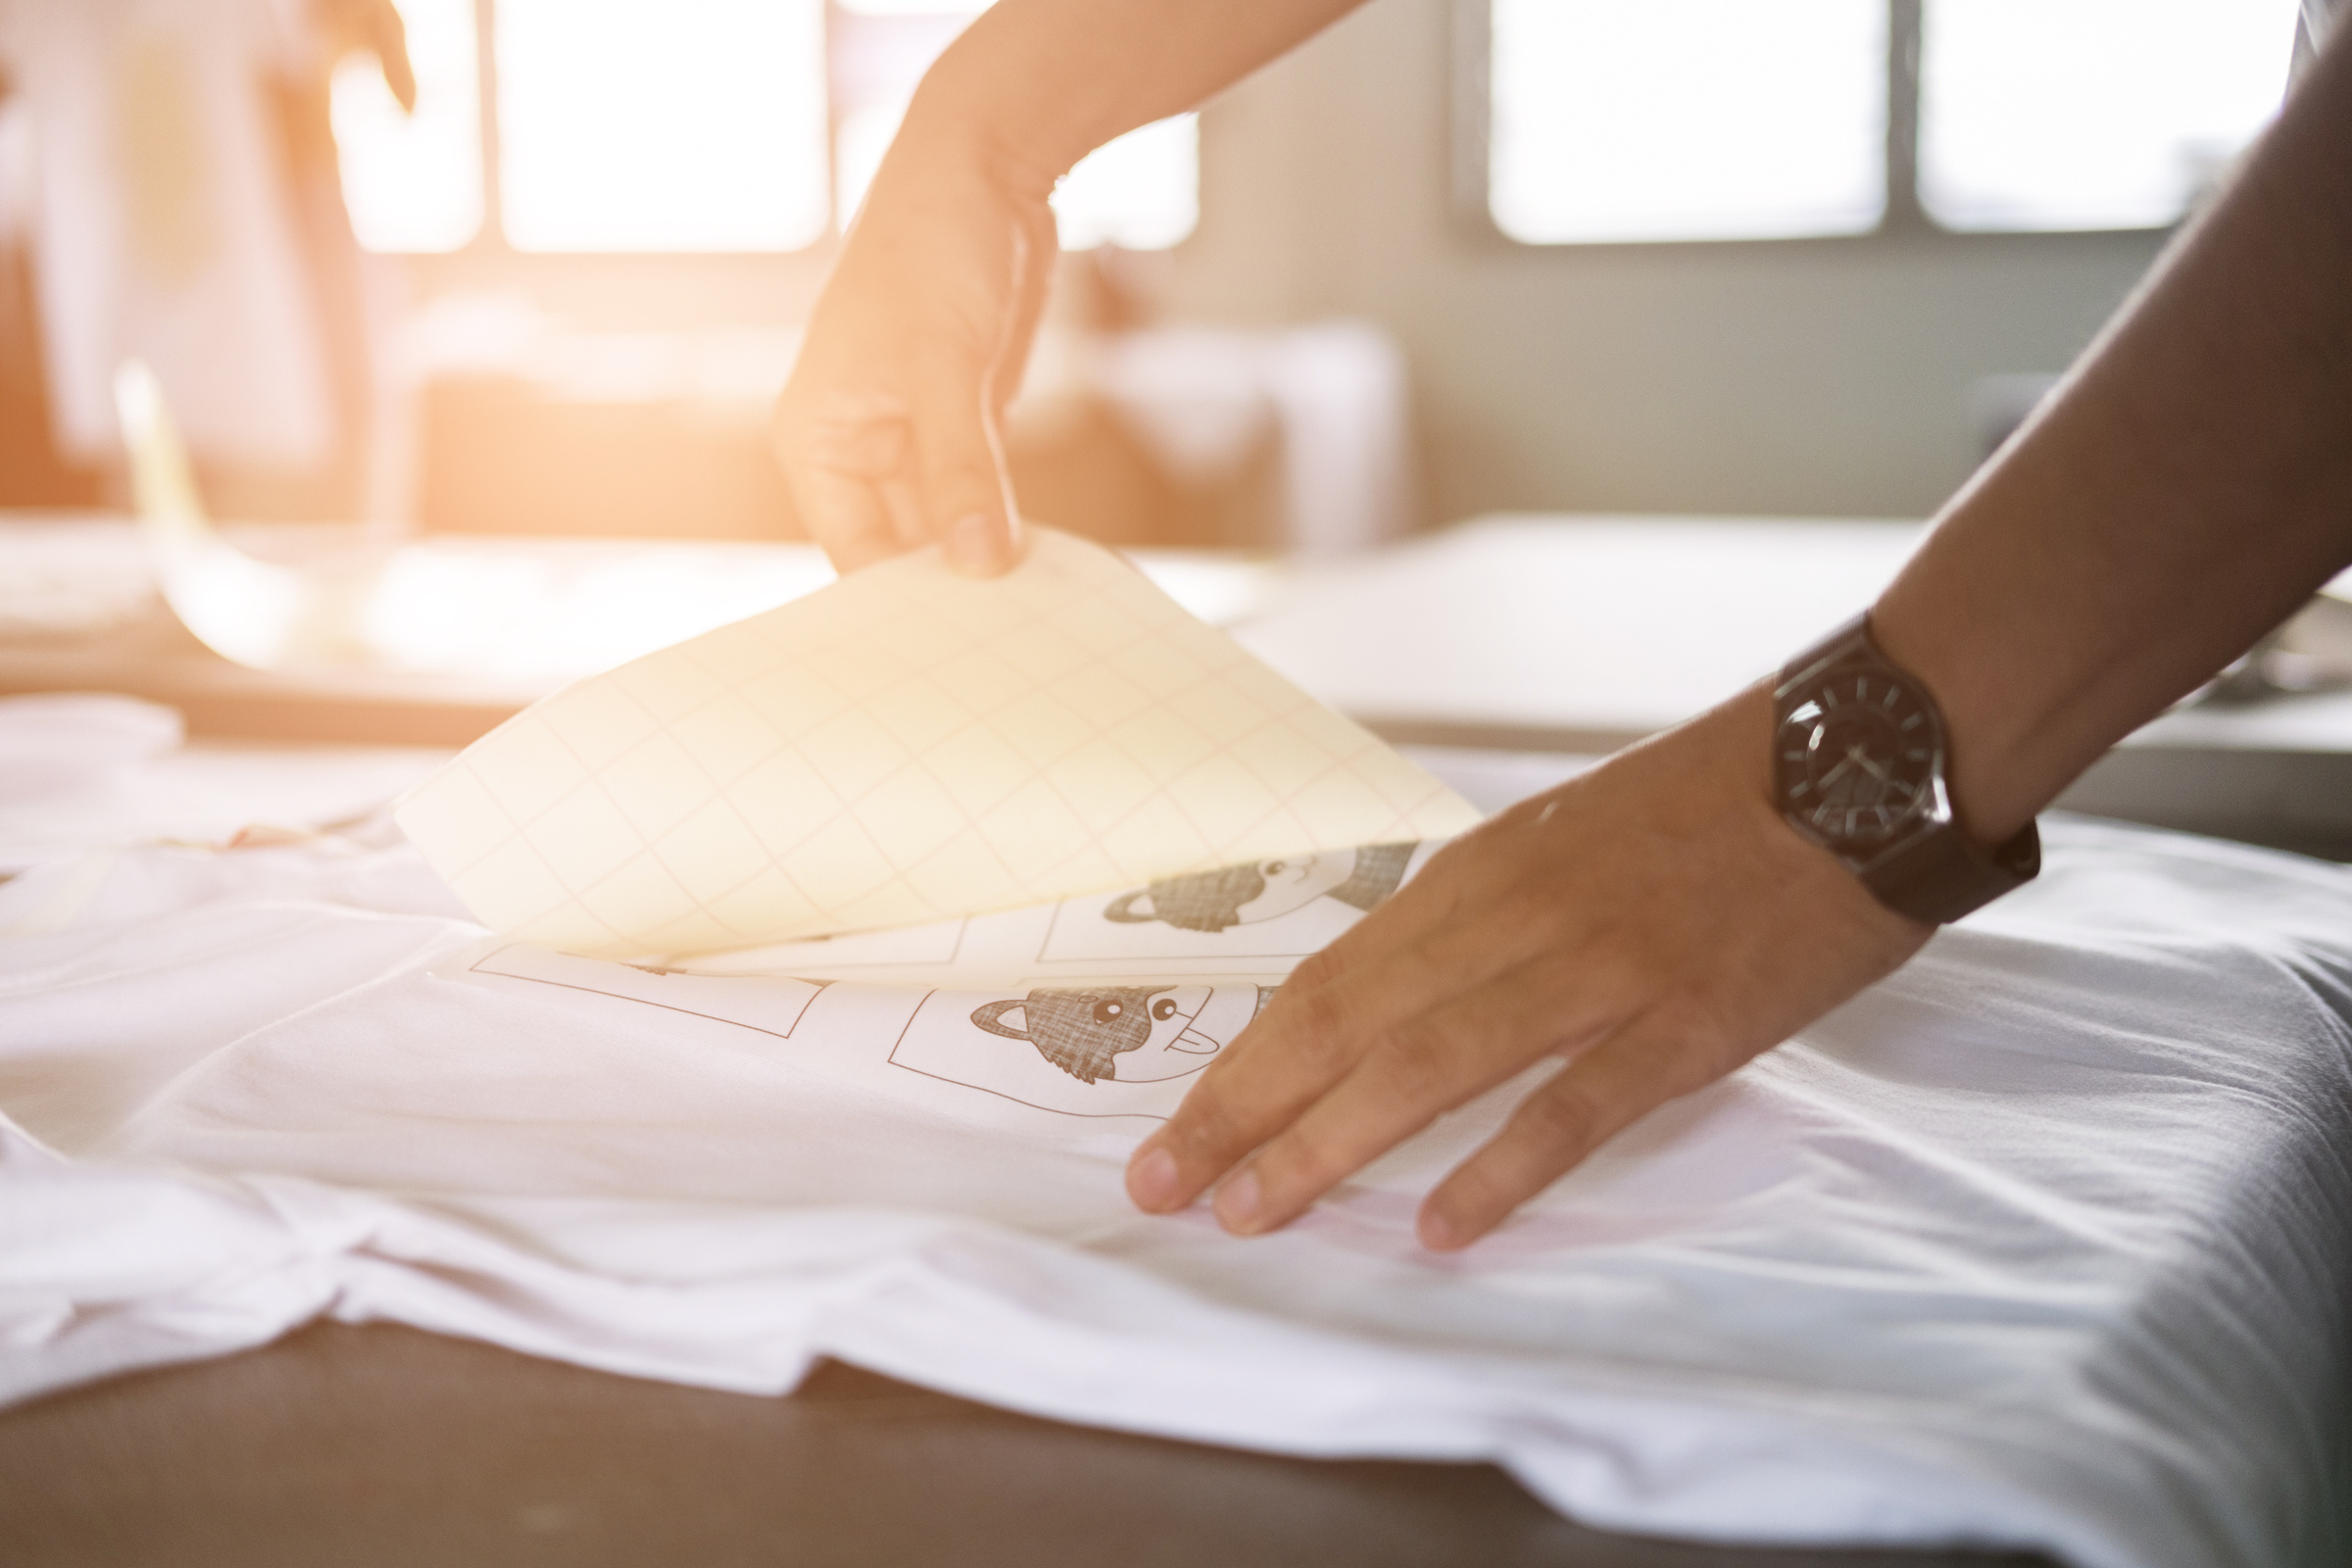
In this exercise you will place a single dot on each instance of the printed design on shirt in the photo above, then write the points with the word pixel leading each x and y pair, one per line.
pixel 773 1005
pixel 1265 890
pixel 1286 908
pixel 1082 1051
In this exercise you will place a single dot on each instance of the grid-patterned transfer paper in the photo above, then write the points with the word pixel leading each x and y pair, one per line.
pixel 904 746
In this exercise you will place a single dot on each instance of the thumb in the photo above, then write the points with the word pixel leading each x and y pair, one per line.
pixel 967 495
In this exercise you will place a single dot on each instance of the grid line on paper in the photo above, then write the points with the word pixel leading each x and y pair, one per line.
pixel 953 744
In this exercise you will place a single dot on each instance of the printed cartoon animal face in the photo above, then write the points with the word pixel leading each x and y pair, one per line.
pixel 1237 895
pixel 1130 1034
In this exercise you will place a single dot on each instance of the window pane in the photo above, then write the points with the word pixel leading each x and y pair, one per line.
pixel 1698 119
pixel 1140 192
pixel 2091 114
pixel 661 124
pixel 413 183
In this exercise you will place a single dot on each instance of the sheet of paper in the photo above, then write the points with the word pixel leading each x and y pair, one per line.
pixel 904 747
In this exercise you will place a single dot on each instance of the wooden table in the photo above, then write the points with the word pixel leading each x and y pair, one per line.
pixel 354 1447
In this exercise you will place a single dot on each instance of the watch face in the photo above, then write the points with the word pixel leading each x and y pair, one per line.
pixel 1857 757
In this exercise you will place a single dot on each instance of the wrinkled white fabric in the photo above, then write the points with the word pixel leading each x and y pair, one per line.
pixel 2041 1242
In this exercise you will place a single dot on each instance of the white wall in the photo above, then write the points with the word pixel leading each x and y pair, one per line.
pixel 1812 377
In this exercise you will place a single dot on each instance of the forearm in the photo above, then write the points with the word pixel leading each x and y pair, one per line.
pixel 2187 487
pixel 1041 83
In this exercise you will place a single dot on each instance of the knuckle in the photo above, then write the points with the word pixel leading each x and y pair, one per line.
pixel 1417 1060
pixel 1477 1189
pixel 1203 1127
pixel 1692 1046
pixel 1559 1117
pixel 1320 1037
pixel 1301 1162
pixel 1318 970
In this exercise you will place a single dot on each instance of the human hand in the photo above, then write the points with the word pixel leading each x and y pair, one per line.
pixel 373 27
pixel 1652 922
pixel 888 429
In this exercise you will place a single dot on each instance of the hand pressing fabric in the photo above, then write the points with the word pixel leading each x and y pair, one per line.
pixel 1652 923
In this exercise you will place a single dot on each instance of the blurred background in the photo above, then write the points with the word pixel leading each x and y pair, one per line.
pixel 1797 258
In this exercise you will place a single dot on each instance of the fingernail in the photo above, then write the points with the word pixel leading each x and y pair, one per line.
pixel 1236 1203
pixel 972 546
pixel 1151 1179
pixel 1436 1232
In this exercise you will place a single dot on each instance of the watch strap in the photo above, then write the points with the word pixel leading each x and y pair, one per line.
pixel 1943 874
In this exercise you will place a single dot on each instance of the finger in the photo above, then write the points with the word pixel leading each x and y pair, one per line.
pixel 1657 1057
pixel 839 461
pixel 902 504
pixel 1419 1070
pixel 1460 876
pixel 1309 1037
pixel 846 515
pixel 966 495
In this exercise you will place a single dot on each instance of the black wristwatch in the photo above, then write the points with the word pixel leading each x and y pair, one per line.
pixel 1858 767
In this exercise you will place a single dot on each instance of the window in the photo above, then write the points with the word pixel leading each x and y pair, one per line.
pixel 1780 119
pixel 661 124
pixel 1699 119
pixel 677 126
pixel 2091 114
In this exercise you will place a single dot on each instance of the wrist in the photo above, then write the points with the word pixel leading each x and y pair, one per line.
pixel 964 118
pixel 1990 729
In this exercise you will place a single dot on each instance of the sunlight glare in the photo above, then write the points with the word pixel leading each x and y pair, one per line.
pixel 1701 120
pixel 662 124
pixel 2091 114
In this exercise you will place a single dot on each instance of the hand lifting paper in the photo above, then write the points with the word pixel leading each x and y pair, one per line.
pixel 904 746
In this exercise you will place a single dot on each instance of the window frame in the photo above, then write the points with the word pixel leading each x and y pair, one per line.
pixel 1904 222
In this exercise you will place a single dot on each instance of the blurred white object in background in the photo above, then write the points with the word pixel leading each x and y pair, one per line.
pixel 1336 393
pixel 160 224
pixel 58 742
pixel 486 608
pixel 71 577
pixel 341 600
pixel 81 771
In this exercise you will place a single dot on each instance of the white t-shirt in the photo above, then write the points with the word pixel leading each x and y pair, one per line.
pixel 2041 1240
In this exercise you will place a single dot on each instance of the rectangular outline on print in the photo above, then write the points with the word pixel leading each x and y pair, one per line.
pixel 477 967
pixel 1050 1110
pixel 954 951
